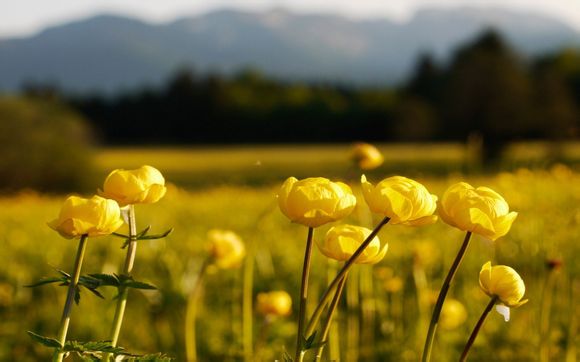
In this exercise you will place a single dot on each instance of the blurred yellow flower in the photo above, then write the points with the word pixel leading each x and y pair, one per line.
pixel 504 283
pixel 315 201
pixel 275 303
pixel 342 241
pixel 393 284
pixel 479 210
pixel 453 314
pixel 366 156
pixel 226 248
pixel 144 185
pixel 403 200
pixel 94 217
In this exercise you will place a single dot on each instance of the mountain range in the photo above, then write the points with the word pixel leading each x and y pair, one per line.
pixel 111 53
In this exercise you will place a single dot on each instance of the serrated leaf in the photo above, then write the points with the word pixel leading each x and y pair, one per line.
pixel 45 341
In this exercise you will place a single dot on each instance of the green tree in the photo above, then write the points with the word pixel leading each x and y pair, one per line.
pixel 488 93
pixel 44 146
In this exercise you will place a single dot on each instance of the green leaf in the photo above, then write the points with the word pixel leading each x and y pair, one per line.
pixel 307 343
pixel 44 281
pixel 45 341
pixel 154 237
pixel 121 235
pixel 92 347
pixel 143 232
pixel 107 279
pixel 139 285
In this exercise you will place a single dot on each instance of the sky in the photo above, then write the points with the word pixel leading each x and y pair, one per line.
pixel 26 17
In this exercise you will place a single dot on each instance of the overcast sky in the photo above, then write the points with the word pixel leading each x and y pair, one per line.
pixel 25 17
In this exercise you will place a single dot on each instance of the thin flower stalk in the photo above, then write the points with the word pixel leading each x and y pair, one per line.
pixel 477 328
pixel 123 291
pixel 327 324
pixel 441 298
pixel 304 295
pixel 328 294
pixel 191 313
pixel 65 320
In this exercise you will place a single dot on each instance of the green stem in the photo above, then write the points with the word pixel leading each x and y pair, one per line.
pixel 191 312
pixel 124 292
pixel 441 299
pixel 247 307
pixel 477 328
pixel 331 309
pixel 303 295
pixel 65 320
pixel 347 266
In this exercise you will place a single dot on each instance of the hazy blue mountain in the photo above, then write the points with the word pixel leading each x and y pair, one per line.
pixel 110 52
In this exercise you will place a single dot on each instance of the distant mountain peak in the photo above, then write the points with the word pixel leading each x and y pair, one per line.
pixel 109 52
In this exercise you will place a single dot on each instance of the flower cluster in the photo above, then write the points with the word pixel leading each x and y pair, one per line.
pixel 314 202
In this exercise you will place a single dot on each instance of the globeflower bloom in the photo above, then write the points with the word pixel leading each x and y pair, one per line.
pixel 93 217
pixel 226 248
pixel 366 156
pixel 315 201
pixel 342 241
pixel 504 283
pixel 479 210
pixel 276 303
pixel 403 200
pixel 144 185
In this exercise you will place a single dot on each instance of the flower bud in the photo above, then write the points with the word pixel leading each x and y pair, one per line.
pixel 342 241
pixel 144 185
pixel 93 217
pixel 502 282
pixel 226 248
pixel 275 303
pixel 366 156
pixel 479 210
pixel 403 200
pixel 315 201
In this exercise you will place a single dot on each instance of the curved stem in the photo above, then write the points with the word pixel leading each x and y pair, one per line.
pixel 124 292
pixel 331 309
pixel 72 287
pixel 349 263
pixel 441 299
pixel 477 328
pixel 303 295
pixel 190 314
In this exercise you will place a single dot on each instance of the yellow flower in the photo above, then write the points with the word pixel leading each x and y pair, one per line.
pixel 226 248
pixel 453 314
pixel 315 201
pixel 275 303
pixel 342 241
pixel 144 185
pixel 403 200
pixel 479 210
pixel 94 217
pixel 366 156
pixel 502 282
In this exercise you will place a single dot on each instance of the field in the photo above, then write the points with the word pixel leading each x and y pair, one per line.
pixel 386 309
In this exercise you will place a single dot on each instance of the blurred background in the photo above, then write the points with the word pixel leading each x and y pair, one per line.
pixel 228 98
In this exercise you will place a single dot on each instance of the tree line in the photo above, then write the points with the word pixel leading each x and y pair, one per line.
pixel 484 91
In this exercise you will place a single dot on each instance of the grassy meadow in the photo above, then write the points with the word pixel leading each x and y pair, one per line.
pixel 386 309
